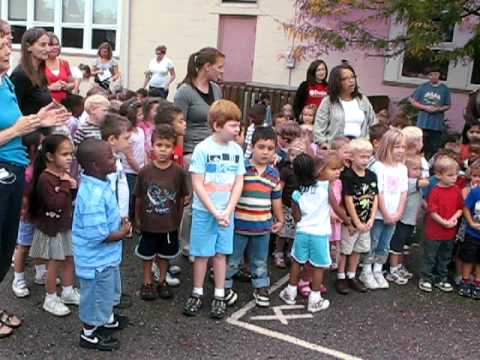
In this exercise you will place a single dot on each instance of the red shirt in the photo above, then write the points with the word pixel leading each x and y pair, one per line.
pixel 445 201
pixel 178 155
pixel 464 152
pixel 316 93
pixel 63 74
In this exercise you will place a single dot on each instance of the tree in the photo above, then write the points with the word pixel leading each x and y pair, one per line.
pixel 320 26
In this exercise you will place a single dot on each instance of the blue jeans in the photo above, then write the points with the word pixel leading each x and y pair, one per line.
pixel 257 256
pixel 381 234
pixel 11 192
pixel 97 296
pixel 437 254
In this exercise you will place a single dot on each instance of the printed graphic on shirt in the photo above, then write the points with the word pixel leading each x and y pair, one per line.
pixel 432 98
pixel 476 212
pixel 220 172
pixel 159 201
pixel 363 197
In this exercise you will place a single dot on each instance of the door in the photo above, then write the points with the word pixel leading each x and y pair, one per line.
pixel 236 39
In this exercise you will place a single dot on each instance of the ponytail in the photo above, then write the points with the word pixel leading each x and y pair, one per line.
pixel 197 61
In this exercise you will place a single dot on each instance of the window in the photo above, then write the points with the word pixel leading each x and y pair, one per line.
pixel 416 68
pixel 80 24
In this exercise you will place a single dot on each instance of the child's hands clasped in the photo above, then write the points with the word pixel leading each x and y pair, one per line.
pixel 276 227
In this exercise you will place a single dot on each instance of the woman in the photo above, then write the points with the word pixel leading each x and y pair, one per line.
pixel 160 74
pixel 344 112
pixel 31 84
pixel 194 96
pixel 57 71
pixel 105 69
pixel 13 160
pixel 313 90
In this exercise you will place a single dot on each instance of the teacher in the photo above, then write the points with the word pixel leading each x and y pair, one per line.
pixel 105 68
pixel 160 73
pixel 345 111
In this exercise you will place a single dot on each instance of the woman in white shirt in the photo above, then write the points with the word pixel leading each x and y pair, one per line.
pixel 160 73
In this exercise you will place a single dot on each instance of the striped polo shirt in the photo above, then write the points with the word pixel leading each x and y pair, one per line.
pixel 253 214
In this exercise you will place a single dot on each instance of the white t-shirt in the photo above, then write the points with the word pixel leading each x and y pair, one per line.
pixel 392 182
pixel 160 72
pixel 354 118
pixel 137 140
pixel 315 210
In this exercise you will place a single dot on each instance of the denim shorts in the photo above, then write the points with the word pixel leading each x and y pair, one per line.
pixel 97 296
pixel 208 237
pixel 314 249
pixel 25 233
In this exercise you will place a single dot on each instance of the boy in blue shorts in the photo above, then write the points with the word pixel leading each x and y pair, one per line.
pixel 217 179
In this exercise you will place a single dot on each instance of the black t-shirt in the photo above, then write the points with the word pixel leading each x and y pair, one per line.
pixel 363 190
pixel 208 98
pixel 31 98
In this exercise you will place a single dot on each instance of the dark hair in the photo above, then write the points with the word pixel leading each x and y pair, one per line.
pixel 87 151
pixel 164 131
pixel 196 61
pixel 304 169
pixel 335 83
pixel 160 48
pixel 143 92
pixel 36 75
pixel 376 131
pixel 49 146
pixel 148 104
pixel 257 110
pixel 72 100
pixel 32 142
pixel 166 114
pixel 85 68
pixel 108 46
pixel 53 36
pixel 129 109
pixel 264 133
pixel 115 125
pixel 312 69
pixel 433 68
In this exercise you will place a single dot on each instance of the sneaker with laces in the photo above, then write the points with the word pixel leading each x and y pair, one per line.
pixel 366 277
pixel 55 306
pixel 98 341
pixel 382 283
pixel 403 271
pixel 218 308
pixel 193 305
pixel 425 285
pixel 445 286
pixel 395 277
pixel 20 288
pixel 261 296
pixel 287 297
pixel 172 280
pixel 71 299
pixel 231 297
pixel 465 289
pixel 119 323
pixel 315 306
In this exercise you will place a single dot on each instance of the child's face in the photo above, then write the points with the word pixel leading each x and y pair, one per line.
pixel 398 151
pixel 162 149
pixel 344 153
pixel 376 144
pixel 77 110
pixel 332 173
pixel 153 111
pixel 475 178
pixel 418 145
pixel 279 121
pixel 284 141
pixel 179 124
pixel 473 134
pixel 449 176
pixel 308 116
pixel 287 110
pixel 98 113
pixel 293 153
pixel 415 170
pixel 434 77
pixel 361 158
pixel 106 161
pixel 120 144
pixel 263 151
pixel 229 131
pixel 62 158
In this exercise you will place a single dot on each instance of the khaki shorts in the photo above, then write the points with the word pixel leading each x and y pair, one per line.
pixel 358 242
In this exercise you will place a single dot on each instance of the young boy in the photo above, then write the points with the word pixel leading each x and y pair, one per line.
pixel 375 134
pixel 217 177
pixel 173 115
pixel 160 192
pixel 444 208
pixel 97 232
pixel 96 107
pixel 256 118
pixel 261 195
pixel 414 146
pixel 360 196
pixel 288 132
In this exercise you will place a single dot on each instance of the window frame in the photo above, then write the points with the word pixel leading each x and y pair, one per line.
pixel 88 26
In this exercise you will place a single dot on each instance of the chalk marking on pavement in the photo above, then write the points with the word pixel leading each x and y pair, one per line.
pixel 280 316
pixel 234 319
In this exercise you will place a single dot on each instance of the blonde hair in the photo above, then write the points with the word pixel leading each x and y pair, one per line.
pixel 94 101
pixel 360 144
pixel 412 160
pixel 338 142
pixel 412 134
pixel 445 163
pixel 391 138
pixel 222 111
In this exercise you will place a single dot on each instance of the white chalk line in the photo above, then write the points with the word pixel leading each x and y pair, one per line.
pixel 234 319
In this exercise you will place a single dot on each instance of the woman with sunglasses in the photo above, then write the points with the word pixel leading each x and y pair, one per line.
pixel 160 73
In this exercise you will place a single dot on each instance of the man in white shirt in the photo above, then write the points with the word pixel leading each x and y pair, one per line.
pixel 160 73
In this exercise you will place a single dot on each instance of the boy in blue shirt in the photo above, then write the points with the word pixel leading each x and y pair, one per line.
pixel 217 178
pixel 97 232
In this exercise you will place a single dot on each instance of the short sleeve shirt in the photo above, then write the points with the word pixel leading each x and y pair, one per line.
pixel 444 201
pixel 362 189
pixel 160 72
pixel 428 94
pixel 472 202
pixel 220 164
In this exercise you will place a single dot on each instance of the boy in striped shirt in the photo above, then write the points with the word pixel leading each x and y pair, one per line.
pixel 261 195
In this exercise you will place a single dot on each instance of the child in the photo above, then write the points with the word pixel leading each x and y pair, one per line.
pixel 360 196
pixel 217 177
pixel 414 146
pixel 375 134
pixel 97 233
pixel 160 192
pixel 96 106
pixel 256 118
pixel 172 115
pixel 286 134
pixel 340 145
pixel 261 195
pixel 279 120
pixel 307 118
pixel 404 230
pixel 444 209
pixel 473 136
pixel 74 104
pixel 311 210
pixel 287 110
pixel 150 106
pixel 50 207
pixel 392 177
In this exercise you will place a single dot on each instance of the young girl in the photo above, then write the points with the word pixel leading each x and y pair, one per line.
pixel 311 210
pixel 51 211
pixel 392 176
pixel 150 107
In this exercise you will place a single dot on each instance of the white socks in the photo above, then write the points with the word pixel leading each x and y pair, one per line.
pixel 340 276
pixel 292 290
pixel 67 290
pixel 51 296
pixel 219 293
pixel 40 270
pixel 19 276
pixel 197 291
pixel 350 275
pixel 314 296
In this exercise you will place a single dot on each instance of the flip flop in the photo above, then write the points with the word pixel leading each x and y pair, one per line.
pixel 6 334
pixel 9 320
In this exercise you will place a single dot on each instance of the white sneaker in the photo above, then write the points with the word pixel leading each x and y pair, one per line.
pixel 55 306
pixel 174 270
pixel 172 281
pixel 405 273
pixel 41 280
pixel 396 277
pixel 287 298
pixel 368 280
pixel 71 299
pixel 382 283
pixel 321 304
pixel 20 288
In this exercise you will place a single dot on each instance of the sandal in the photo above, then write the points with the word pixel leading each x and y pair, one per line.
pixel 5 331
pixel 9 320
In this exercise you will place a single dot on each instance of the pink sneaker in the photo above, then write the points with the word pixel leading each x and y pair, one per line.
pixel 304 288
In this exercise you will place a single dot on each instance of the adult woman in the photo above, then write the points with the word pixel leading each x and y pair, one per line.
pixel 160 74
pixel 31 85
pixel 313 89
pixel 194 96
pixel 105 69
pixel 13 159
pixel 345 111
pixel 57 71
